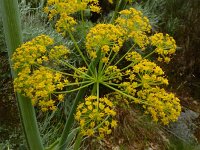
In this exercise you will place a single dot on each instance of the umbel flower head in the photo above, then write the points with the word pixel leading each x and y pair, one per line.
pixel 96 116
pixel 136 26
pixel 118 65
pixel 104 37
pixel 35 80
pixel 165 46
pixel 162 106
pixel 65 8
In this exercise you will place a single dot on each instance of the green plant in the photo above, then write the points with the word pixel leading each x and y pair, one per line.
pixel 116 71
pixel 13 35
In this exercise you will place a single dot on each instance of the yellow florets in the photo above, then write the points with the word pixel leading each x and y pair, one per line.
pixel 149 74
pixel 130 76
pixel 36 52
pixel 65 23
pixel 133 56
pixel 34 80
pixel 113 72
pixel 136 26
pixel 165 46
pixel 31 52
pixel 104 37
pixel 58 52
pixel 38 85
pixel 79 73
pixel 129 87
pixel 66 8
pixel 95 116
pixel 162 106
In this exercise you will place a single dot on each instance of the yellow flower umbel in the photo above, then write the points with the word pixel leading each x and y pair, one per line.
pixel 35 80
pixel 104 37
pixel 116 64
pixel 69 7
pixel 113 72
pixel 136 26
pixel 165 46
pixel 31 52
pixel 162 106
pixel 65 23
pixel 133 56
pixel 95 116
pixel 66 8
pixel 149 74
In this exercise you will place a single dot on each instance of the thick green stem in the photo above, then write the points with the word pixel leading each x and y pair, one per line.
pixel 78 141
pixel 70 120
pixel 13 35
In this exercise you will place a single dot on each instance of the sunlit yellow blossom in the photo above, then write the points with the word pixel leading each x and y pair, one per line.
pixel 149 74
pixel 31 52
pixel 65 23
pixel 78 74
pixel 101 36
pixel 104 59
pixel 35 80
pixel 162 106
pixel 58 52
pixel 165 46
pixel 99 121
pixel 136 26
pixel 66 8
pixel 113 71
pixel 61 97
pixel 133 56
pixel 95 8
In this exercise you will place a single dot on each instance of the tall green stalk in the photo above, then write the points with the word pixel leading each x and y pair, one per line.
pixel 13 35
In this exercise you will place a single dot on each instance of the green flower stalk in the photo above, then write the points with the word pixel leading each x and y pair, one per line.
pixel 13 35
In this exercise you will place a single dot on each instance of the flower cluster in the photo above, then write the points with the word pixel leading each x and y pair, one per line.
pixel 38 85
pixel 31 52
pixel 162 106
pixel 129 87
pixel 104 37
pixel 149 74
pixel 95 116
pixel 35 80
pixel 65 23
pixel 55 7
pixel 65 8
pixel 165 46
pixel 136 26
pixel 58 52
pixel 133 57
pixel 113 74
pixel 131 78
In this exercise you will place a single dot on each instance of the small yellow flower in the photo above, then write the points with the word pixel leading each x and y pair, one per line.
pixel 61 97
